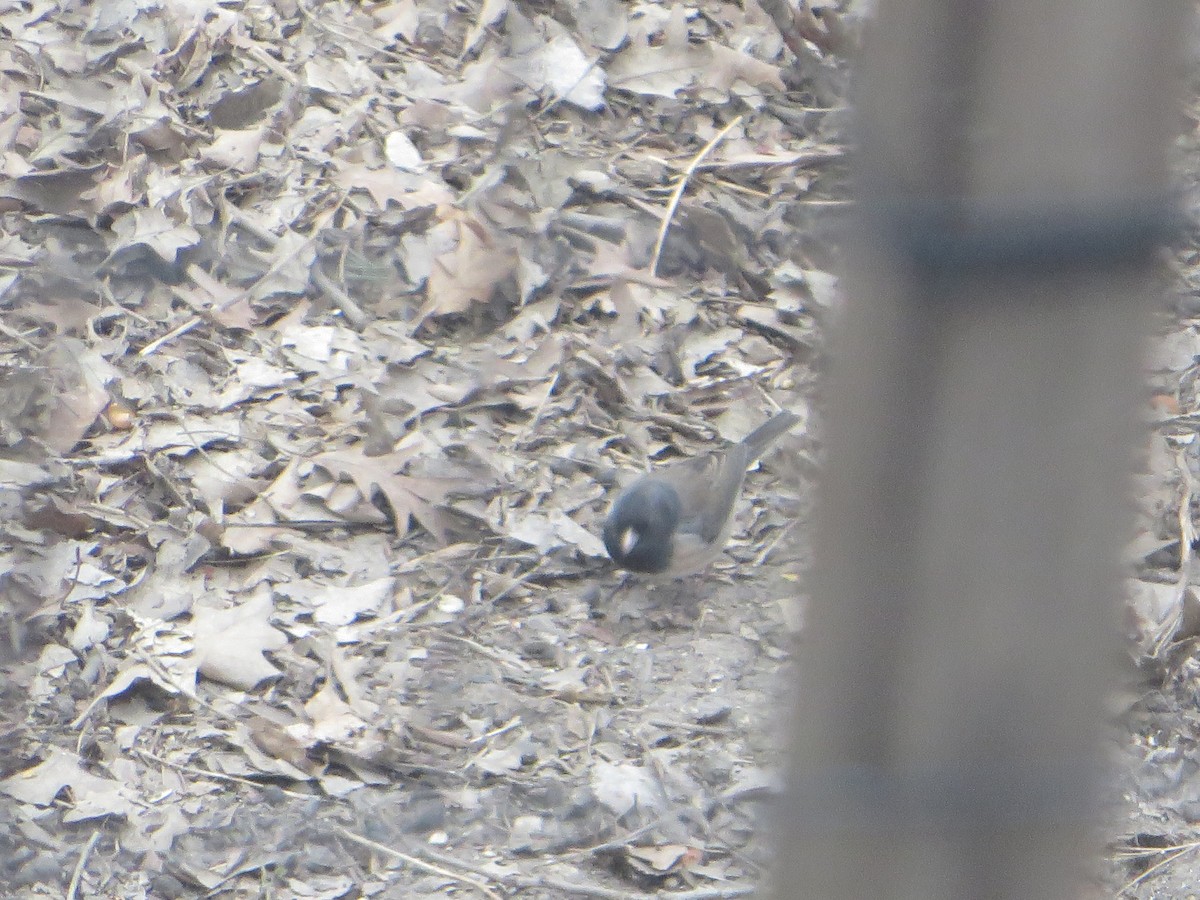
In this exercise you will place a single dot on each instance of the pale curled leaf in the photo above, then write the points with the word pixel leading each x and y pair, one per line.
pixel 549 531
pixel 93 795
pixel 624 787
pixel 151 227
pixel 332 719
pixel 342 604
pixel 230 642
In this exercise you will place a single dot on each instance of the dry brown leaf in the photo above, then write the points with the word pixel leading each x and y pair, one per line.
pixel 663 858
pixel 279 744
pixel 467 274
pixel 213 161
pixel 409 497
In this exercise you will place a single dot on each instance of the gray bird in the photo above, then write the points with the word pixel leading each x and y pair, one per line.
pixel 676 520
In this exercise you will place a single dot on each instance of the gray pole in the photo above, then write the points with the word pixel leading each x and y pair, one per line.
pixel 1012 183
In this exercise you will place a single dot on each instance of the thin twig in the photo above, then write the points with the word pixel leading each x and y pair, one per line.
pixel 81 864
pixel 421 864
pixel 355 317
pixel 603 893
pixel 528 882
pixel 518 665
pixel 680 186
pixel 520 580
pixel 215 776
pixel 619 843
pixel 1175 853
pixel 11 333
pixel 695 727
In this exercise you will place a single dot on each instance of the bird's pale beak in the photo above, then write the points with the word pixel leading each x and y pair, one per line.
pixel 629 539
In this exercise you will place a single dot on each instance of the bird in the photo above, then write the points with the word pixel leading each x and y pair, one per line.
pixel 676 520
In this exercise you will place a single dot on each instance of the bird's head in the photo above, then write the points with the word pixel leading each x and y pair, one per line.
pixel 640 529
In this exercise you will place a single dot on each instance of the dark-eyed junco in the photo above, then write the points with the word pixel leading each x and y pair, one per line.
pixel 676 520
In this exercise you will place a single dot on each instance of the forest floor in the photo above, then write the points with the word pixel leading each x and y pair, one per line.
pixel 328 330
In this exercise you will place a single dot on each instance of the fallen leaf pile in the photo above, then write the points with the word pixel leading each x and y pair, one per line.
pixel 327 329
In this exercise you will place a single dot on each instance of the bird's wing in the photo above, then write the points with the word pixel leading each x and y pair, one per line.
pixel 708 486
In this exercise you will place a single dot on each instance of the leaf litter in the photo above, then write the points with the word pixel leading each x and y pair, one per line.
pixel 327 328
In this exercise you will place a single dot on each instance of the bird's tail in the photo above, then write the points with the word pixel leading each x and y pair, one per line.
pixel 765 434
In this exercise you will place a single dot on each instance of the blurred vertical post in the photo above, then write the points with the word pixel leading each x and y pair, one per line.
pixel 1012 188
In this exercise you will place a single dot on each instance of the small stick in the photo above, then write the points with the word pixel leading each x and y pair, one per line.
pixel 680 186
